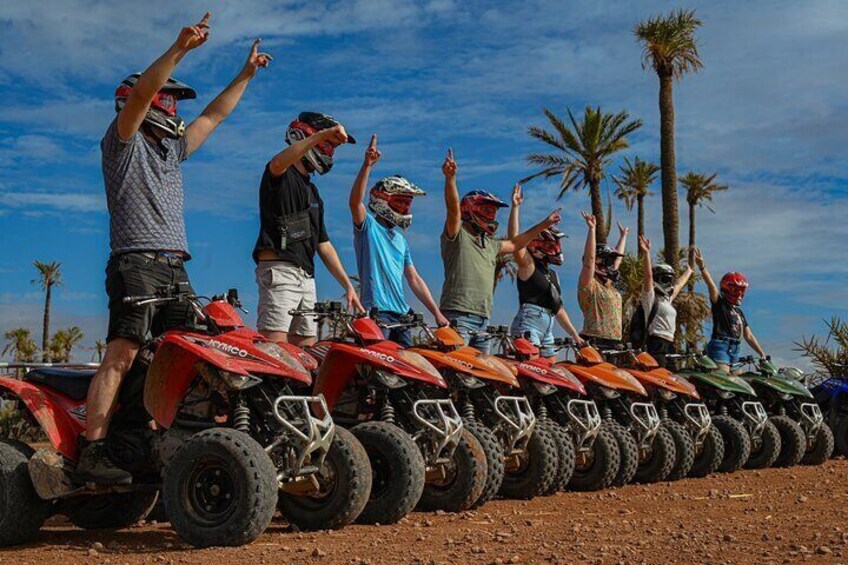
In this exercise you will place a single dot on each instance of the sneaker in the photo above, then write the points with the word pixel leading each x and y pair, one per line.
pixel 95 466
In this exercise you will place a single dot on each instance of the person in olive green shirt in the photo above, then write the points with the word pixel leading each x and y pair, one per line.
pixel 470 253
pixel 597 296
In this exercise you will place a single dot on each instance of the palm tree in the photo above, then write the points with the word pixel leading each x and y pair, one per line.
pixel 671 50
pixel 699 191
pixel 63 342
pixel 584 150
pixel 633 186
pixel 49 275
pixel 98 348
pixel 21 345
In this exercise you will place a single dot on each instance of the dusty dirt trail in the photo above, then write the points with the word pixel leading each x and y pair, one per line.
pixel 773 516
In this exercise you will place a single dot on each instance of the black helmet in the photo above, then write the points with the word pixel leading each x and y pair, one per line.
pixel 663 278
pixel 162 113
pixel 319 159
pixel 605 258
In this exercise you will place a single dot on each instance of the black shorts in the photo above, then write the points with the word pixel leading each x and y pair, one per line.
pixel 131 274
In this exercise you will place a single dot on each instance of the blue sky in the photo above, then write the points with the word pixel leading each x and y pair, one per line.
pixel 768 113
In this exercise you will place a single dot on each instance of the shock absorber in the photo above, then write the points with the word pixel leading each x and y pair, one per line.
pixel 387 411
pixel 663 412
pixel 241 416
pixel 541 412
pixel 606 414
pixel 468 411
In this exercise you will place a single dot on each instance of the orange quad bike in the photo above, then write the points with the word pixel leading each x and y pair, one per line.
pixel 521 453
pixel 394 401
pixel 699 446
pixel 560 400
pixel 646 447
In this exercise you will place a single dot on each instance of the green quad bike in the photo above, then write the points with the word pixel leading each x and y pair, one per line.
pixel 793 410
pixel 750 439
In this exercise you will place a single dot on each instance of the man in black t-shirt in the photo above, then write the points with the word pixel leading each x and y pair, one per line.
pixel 292 230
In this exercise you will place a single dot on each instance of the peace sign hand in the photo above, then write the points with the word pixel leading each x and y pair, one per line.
pixel 590 220
pixel 372 154
pixel 517 196
pixel 449 167
pixel 256 59
pixel 645 244
pixel 194 36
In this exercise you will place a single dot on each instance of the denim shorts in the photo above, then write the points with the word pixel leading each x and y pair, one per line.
pixel 466 324
pixel 538 323
pixel 724 351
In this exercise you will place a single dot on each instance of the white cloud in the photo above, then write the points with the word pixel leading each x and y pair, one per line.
pixel 53 201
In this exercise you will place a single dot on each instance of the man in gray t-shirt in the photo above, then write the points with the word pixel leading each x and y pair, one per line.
pixel 141 155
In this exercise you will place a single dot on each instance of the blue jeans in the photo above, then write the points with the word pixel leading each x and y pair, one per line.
pixel 538 324
pixel 466 324
pixel 401 336
pixel 723 350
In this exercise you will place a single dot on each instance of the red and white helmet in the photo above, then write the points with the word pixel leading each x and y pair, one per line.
pixel 391 199
pixel 548 246
pixel 480 208
pixel 319 159
pixel 162 113
pixel 733 287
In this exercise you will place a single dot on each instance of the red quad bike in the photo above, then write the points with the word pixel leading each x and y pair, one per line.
pixel 645 446
pixel 559 398
pixel 393 402
pixel 698 444
pixel 211 417
pixel 521 457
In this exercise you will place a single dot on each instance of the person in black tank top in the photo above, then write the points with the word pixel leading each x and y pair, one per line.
pixel 539 291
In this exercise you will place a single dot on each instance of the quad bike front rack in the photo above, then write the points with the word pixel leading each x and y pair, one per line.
pixel 441 429
pixel 647 420
pixel 312 435
pixel 586 421
pixel 698 420
pixel 516 413
pixel 811 419
pixel 755 418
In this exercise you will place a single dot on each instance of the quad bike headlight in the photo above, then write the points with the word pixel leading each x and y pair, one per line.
pixel 470 382
pixel 725 394
pixel 389 380
pixel 419 362
pixel 609 392
pixel 234 381
pixel 544 388
pixel 667 394
pixel 280 354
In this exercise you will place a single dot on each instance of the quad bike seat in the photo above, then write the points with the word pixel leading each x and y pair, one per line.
pixel 70 382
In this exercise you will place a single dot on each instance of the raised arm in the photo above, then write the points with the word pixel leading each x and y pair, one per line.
pixel 681 282
pixel 154 78
pixel 522 258
pixel 357 191
pixel 520 241
pixel 222 106
pixel 708 280
pixel 422 292
pixel 648 270
pixel 296 151
pixel 752 341
pixel 331 260
pixel 622 244
pixel 587 273
pixel 453 220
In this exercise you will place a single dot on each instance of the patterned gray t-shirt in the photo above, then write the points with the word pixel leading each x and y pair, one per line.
pixel 144 193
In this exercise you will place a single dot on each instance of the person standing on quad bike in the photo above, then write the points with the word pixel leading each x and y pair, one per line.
pixel 470 254
pixel 597 296
pixel 382 252
pixel 539 292
pixel 659 290
pixel 729 322
pixel 141 155
pixel 292 230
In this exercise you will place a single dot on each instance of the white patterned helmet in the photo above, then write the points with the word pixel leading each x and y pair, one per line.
pixel 391 199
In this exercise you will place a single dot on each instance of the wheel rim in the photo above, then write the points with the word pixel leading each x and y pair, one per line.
pixel 327 485
pixel 381 474
pixel 210 491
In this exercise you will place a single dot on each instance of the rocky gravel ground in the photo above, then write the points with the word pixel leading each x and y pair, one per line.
pixel 772 516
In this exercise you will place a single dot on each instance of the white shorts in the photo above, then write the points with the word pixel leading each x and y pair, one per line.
pixel 284 286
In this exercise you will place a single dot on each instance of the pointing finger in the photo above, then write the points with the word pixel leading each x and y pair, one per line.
pixel 205 20
pixel 450 153
pixel 373 144
pixel 255 48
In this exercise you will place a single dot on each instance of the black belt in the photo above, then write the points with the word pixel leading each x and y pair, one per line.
pixel 163 257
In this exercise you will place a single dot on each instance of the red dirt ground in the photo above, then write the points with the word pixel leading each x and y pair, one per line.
pixel 772 516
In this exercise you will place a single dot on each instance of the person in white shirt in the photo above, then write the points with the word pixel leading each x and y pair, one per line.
pixel 659 290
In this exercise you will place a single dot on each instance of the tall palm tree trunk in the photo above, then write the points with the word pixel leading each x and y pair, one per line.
pixel 691 244
pixel 669 173
pixel 598 212
pixel 45 329
pixel 640 216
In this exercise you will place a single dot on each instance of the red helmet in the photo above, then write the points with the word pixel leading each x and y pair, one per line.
pixel 319 159
pixel 548 247
pixel 733 287
pixel 162 113
pixel 480 208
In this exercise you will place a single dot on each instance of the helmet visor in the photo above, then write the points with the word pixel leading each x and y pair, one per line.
pixel 166 102
pixel 400 203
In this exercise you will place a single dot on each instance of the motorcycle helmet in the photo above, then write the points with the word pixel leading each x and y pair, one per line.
pixel 663 279
pixel 319 159
pixel 733 287
pixel 480 208
pixel 547 247
pixel 391 199
pixel 605 258
pixel 162 113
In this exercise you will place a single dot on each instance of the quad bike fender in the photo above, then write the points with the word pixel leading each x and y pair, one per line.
pixel 543 371
pixel 607 375
pixel 53 414
pixel 723 381
pixel 779 383
pixel 665 379
pixel 471 362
